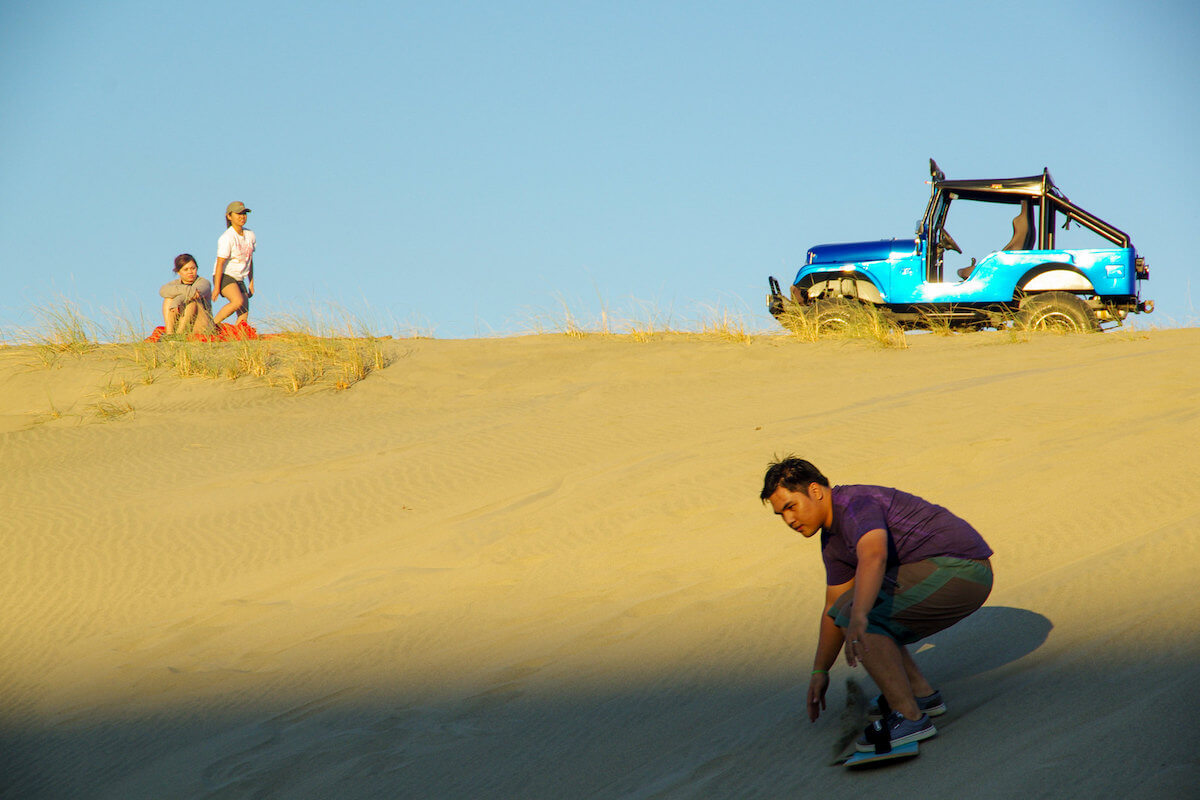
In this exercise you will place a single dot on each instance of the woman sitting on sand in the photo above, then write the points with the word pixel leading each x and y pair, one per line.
pixel 234 273
pixel 187 299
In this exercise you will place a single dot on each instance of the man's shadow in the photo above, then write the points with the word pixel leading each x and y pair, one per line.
pixel 991 637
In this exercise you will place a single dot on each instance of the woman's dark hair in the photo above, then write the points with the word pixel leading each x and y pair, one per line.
pixel 793 474
pixel 182 259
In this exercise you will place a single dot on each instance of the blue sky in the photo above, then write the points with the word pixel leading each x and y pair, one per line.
pixel 465 168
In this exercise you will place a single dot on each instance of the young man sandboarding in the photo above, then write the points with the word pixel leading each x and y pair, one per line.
pixel 898 569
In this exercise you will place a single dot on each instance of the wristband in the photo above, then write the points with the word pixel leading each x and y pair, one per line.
pixel 820 672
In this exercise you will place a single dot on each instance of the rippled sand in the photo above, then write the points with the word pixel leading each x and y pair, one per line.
pixel 538 567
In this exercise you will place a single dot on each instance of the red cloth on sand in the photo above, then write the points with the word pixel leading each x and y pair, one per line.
pixel 223 333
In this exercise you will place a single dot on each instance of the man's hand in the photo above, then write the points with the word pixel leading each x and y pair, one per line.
pixel 856 639
pixel 817 685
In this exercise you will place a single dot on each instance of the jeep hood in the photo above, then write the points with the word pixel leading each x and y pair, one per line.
pixel 852 252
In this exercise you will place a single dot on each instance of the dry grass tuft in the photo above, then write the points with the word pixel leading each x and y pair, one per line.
pixel 725 325
pixel 843 320
pixel 938 326
pixel 53 413
pixel 296 375
pixel 64 331
pixel 643 323
pixel 303 359
pixel 647 322
pixel 314 351
pixel 568 322
pixel 115 387
pixel 254 357
pixel 105 411
pixel 196 360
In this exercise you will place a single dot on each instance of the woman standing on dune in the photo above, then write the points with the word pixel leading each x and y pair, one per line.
pixel 233 276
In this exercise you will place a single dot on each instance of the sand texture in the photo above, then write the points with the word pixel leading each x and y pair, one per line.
pixel 537 567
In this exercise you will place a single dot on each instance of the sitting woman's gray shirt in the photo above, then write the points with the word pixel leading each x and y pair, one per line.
pixel 184 293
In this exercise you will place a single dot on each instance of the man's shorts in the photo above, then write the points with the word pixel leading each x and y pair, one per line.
pixel 923 598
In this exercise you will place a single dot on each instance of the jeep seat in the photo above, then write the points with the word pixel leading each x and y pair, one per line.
pixel 1024 235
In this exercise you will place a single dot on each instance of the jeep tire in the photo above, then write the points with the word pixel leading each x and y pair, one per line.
pixel 825 317
pixel 1058 311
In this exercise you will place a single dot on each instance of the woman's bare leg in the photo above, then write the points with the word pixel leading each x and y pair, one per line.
pixel 188 318
pixel 244 313
pixel 170 315
pixel 203 323
pixel 237 302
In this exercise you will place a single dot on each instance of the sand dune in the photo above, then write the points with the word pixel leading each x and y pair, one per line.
pixel 537 567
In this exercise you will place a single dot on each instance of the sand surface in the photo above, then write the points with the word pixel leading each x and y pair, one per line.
pixel 537 567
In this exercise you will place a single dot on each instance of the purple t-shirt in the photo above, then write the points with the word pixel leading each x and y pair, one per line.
pixel 916 528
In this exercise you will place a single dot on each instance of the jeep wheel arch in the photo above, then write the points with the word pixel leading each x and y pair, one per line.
pixel 833 285
pixel 1055 278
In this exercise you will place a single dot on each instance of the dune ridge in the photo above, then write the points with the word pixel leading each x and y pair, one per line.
pixel 538 567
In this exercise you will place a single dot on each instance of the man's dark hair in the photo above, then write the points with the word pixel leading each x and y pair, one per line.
pixel 793 474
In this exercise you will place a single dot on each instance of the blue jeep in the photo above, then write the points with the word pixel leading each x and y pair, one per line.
pixel 1028 281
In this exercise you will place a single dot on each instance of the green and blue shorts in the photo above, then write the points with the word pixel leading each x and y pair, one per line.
pixel 920 599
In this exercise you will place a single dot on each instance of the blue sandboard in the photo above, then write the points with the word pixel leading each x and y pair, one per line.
pixel 897 753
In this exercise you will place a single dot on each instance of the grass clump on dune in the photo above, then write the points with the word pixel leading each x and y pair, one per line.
pixel 300 359
pixel 643 322
pixel 66 331
pixel 106 411
pixel 307 353
pixel 725 325
pixel 337 348
pixel 291 361
pixel 843 320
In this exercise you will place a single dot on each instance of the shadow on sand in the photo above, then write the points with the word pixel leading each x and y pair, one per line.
pixel 990 638
pixel 694 730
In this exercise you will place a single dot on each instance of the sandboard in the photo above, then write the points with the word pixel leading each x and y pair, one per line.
pixel 896 753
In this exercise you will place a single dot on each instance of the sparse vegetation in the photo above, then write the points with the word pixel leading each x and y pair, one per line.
pixel 255 358
pixel 298 359
pixel 844 320
pixel 840 321
pixel 1016 334
pixel 65 331
pixel 337 350
pixel 725 325
pixel 643 323
pixel 116 386
pixel 106 411
pixel 313 352
pixel 938 326
pixel 53 413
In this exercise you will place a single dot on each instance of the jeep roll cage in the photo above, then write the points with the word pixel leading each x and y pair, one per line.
pixel 1040 191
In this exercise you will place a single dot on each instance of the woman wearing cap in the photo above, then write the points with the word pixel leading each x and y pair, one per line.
pixel 186 299
pixel 233 277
